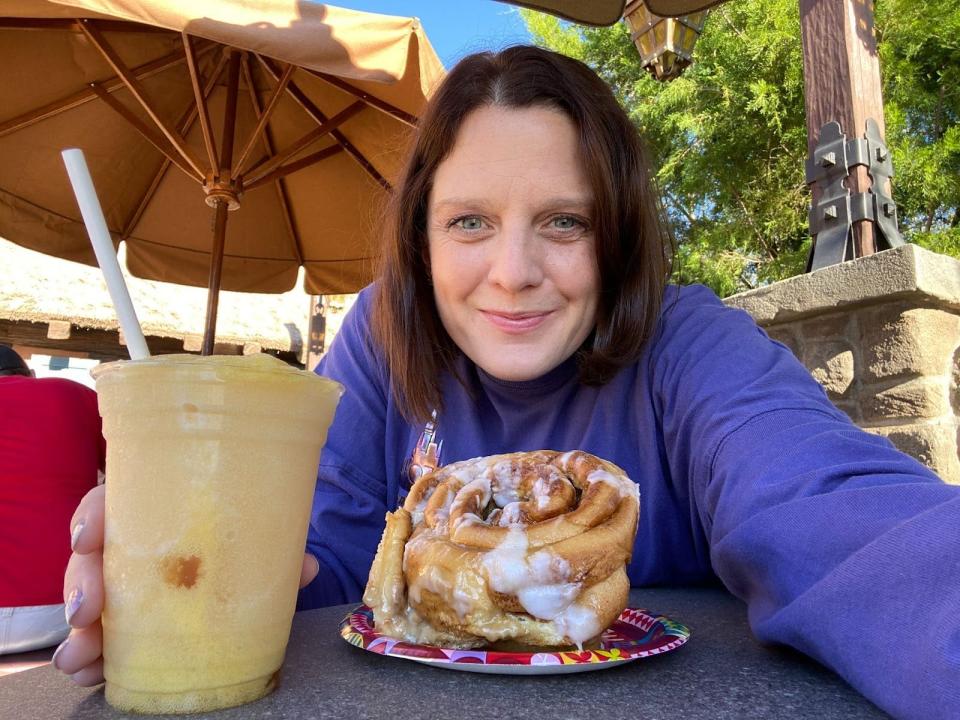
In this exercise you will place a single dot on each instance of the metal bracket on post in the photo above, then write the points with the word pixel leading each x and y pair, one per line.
pixel 833 215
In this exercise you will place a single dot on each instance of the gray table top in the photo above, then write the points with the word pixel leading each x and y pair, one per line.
pixel 721 673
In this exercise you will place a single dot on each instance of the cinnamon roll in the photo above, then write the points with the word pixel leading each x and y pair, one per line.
pixel 530 547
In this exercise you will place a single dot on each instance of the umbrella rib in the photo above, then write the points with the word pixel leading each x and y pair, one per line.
pixel 285 170
pixel 89 29
pixel 145 199
pixel 71 24
pixel 268 146
pixel 81 97
pixel 148 133
pixel 234 256
pixel 185 123
pixel 374 102
pixel 264 115
pixel 267 166
pixel 201 101
pixel 297 94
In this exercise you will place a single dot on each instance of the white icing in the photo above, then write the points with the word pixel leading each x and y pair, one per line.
pixel 510 515
pixel 430 579
pixel 547 567
pixel 504 497
pixel 548 601
pixel 539 580
pixel 541 490
pixel 504 477
pixel 578 623
pixel 603 476
pixel 463 475
pixel 466 519
pixel 468 491
pixel 435 580
pixel 506 564
pixel 442 513
pixel 624 485
pixel 420 537
pixel 462 602
pixel 416 514
pixel 467 494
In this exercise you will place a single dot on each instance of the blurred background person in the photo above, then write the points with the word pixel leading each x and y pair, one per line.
pixel 51 450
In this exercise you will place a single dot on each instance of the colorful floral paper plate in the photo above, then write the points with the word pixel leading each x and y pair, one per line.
pixel 635 634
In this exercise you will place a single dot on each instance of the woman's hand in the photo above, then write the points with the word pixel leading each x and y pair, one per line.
pixel 80 655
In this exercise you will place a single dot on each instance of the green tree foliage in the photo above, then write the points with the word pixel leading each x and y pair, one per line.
pixel 728 138
pixel 919 46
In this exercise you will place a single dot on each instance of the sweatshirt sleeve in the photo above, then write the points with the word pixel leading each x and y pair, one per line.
pixel 843 547
pixel 349 503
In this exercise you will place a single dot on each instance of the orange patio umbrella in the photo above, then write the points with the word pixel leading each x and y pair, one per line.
pixel 230 142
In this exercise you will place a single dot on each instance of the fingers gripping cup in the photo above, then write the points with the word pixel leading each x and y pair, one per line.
pixel 211 467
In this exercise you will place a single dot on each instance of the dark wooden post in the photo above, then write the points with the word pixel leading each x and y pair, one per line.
pixel 842 83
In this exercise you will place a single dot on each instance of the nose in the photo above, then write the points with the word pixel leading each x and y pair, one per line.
pixel 516 258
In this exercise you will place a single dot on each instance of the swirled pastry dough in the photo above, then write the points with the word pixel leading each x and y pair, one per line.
pixel 530 547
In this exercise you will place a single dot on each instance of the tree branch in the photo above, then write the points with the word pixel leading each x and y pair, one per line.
pixel 682 208
pixel 761 239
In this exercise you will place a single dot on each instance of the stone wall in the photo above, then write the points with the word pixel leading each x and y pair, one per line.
pixel 881 334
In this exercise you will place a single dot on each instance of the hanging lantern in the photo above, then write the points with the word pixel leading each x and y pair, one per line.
pixel 665 44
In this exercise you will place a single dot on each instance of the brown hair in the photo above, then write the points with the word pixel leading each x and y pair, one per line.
pixel 632 246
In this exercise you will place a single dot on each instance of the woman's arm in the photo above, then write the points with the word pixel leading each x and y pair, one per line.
pixel 350 499
pixel 842 546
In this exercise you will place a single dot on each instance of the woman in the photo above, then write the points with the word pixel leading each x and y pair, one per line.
pixel 523 299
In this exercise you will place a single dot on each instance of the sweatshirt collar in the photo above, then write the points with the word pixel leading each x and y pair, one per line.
pixel 552 380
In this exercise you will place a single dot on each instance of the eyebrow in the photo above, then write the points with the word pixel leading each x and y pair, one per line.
pixel 579 202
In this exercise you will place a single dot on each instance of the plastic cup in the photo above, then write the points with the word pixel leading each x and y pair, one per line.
pixel 211 468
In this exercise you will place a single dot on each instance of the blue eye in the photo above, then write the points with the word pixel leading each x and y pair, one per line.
pixel 565 222
pixel 468 222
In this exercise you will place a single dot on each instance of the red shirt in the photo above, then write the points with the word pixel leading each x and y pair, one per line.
pixel 50 450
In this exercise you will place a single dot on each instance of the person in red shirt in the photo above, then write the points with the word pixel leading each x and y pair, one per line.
pixel 51 450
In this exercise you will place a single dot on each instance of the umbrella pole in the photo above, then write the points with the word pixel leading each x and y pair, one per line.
pixel 223 199
pixel 216 267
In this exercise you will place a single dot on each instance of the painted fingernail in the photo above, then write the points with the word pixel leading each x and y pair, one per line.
pixel 56 653
pixel 74 601
pixel 75 535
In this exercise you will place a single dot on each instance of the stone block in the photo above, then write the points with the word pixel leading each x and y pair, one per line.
pixel 785 334
pixel 933 444
pixel 834 325
pixel 917 398
pixel 832 365
pixel 918 341
pixel 851 407
pixel 906 272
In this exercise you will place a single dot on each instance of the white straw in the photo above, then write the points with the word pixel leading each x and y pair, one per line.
pixel 103 248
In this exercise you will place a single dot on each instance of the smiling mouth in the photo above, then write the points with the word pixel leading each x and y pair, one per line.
pixel 516 322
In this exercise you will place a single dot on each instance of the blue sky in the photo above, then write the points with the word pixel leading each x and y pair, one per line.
pixel 455 27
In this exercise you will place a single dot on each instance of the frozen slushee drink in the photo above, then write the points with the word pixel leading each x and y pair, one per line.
pixel 211 467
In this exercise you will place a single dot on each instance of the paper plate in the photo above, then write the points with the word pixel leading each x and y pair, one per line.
pixel 635 634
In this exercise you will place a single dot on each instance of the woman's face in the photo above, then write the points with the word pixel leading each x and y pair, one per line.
pixel 512 250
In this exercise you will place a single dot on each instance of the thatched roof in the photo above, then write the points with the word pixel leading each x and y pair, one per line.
pixel 40 288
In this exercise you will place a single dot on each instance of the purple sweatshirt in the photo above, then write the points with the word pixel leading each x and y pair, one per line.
pixel 843 547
